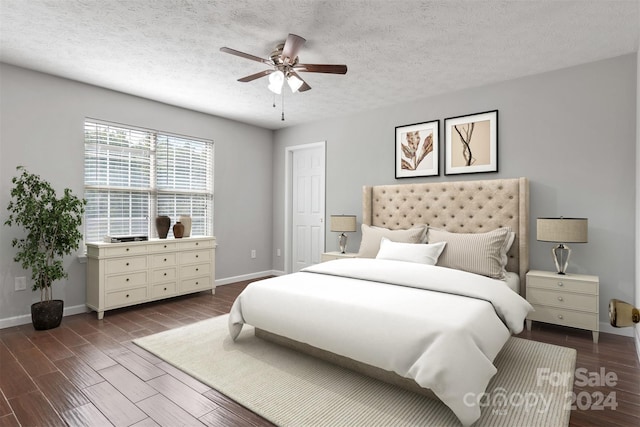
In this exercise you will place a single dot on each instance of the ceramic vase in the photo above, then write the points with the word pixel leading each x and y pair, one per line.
pixel 178 230
pixel 186 221
pixel 163 223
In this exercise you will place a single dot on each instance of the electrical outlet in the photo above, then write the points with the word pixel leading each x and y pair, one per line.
pixel 278 252
pixel 253 253
pixel 20 283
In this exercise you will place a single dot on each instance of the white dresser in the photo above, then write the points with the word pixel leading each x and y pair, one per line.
pixel 568 300
pixel 124 274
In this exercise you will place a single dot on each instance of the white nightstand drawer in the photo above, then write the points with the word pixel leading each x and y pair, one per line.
pixel 562 283
pixel 330 256
pixel 558 316
pixel 574 301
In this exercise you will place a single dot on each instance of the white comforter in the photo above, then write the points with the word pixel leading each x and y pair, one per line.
pixel 403 317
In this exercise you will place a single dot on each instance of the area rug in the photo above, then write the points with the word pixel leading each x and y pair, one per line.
pixel 292 389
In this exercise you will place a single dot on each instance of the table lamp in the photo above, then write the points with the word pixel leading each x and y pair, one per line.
pixel 343 224
pixel 562 230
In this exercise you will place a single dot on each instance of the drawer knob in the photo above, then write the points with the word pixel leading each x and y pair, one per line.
pixel 197 283
pixel 127 264
pixel 560 316
pixel 197 256
pixel 165 289
pixel 127 295
pixel 197 269
pixel 127 251
pixel 197 243
pixel 165 275
pixel 560 299
pixel 560 284
pixel 165 246
pixel 127 279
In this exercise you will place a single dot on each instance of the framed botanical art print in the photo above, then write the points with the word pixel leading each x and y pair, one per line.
pixel 417 149
pixel 471 143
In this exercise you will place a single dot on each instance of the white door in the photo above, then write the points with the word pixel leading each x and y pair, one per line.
pixel 307 206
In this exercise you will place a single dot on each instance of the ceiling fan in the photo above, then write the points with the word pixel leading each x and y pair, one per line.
pixel 285 66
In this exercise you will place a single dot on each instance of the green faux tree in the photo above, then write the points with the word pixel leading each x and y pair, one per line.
pixel 52 225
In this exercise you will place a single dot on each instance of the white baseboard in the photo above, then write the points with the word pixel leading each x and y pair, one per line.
pixel 26 318
pixel 250 276
pixel 606 327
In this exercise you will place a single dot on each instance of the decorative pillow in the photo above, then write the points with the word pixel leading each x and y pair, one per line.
pixel 420 253
pixel 480 253
pixel 370 243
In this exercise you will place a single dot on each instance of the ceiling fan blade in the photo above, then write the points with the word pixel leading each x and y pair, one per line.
pixel 305 86
pixel 252 77
pixel 245 55
pixel 291 47
pixel 321 68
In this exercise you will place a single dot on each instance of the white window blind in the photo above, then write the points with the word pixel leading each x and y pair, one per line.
pixel 133 175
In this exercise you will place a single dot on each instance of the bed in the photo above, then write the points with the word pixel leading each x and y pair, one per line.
pixel 434 329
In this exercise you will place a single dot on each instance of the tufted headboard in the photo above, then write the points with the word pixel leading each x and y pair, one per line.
pixel 460 207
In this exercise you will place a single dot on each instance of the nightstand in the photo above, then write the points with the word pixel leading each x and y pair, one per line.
pixel 567 300
pixel 329 256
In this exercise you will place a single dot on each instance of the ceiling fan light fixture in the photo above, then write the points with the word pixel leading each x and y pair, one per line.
pixel 294 83
pixel 276 80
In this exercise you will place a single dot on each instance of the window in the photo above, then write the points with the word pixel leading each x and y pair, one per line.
pixel 133 175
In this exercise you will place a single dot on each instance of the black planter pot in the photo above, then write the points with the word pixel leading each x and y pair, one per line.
pixel 47 314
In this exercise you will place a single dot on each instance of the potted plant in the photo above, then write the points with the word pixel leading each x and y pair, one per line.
pixel 52 231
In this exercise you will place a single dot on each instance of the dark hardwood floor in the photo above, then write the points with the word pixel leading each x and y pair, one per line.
pixel 87 372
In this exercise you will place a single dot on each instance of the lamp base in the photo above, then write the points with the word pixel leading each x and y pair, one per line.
pixel 342 242
pixel 561 254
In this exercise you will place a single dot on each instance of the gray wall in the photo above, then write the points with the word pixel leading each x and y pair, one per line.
pixel 572 132
pixel 42 129
pixel 637 301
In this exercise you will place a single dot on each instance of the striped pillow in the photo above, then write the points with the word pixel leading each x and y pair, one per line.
pixel 479 253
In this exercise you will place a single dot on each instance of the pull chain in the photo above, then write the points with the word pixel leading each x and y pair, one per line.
pixel 283 105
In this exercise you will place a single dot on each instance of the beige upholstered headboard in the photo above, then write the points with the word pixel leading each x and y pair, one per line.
pixel 461 207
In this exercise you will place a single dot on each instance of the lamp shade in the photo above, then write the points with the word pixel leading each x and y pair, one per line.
pixel 562 230
pixel 343 223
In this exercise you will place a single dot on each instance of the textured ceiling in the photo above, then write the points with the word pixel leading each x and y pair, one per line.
pixel 168 50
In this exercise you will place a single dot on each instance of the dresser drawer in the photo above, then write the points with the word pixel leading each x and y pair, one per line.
pixel 188 244
pixel 163 275
pixel 562 284
pixel 195 270
pixel 195 284
pixel 165 290
pixel 195 256
pixel 125 250
pixel 167 246
pixel 126 264
pixel 163 260
pixel 126 297
pixel 558 316
pixel 121 281
pixel 574 301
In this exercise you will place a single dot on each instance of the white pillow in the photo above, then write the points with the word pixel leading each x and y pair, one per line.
pixel 420 253
pixel 370 243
